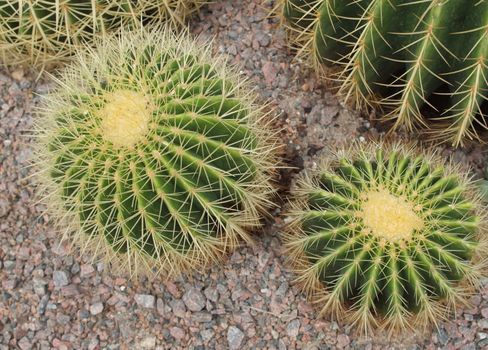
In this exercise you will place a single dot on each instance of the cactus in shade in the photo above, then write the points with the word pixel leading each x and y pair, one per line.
pixel 40 31
pixel 153 154
pixel 386 236
pixel 416 59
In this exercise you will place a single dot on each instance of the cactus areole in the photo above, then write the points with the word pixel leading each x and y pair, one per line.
pixel 154 153
pixel 424 62
pixel 385 234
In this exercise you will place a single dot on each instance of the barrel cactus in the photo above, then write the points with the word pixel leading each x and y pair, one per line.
pixel 387 237
pixel 40 31
pixel 424 62
pixel 153 154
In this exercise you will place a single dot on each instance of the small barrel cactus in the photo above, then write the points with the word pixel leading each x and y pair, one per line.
pixel 387 236
pixel 154 154
pixel 40 31
pixel 412 58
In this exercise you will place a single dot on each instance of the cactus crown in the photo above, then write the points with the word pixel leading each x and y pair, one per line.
pixel 43 31
pixel 400 54
pixel 387 236
pixel 153 153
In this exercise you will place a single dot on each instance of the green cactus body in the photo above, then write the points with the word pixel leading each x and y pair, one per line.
pixel 298 10
pixel 386 236
pixel 469 81
pixel 41 31
pixel 156 153
pixel 399 54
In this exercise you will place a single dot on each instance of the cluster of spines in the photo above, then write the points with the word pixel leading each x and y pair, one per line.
pixel 397 54
pixel 368 280
pixel 187 191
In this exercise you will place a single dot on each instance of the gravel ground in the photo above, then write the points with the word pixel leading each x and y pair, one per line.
pixel 52 300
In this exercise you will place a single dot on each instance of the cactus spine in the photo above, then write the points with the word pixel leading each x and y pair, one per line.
pixel 400 54
pixel 387 236
pixel 42 31
pixel 154 153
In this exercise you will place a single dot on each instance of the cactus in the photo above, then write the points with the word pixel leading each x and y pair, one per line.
pixel 152 153
pixel 42 31
pixel 387 237
pixel 412 58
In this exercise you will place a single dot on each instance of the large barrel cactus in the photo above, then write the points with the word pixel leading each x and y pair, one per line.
pixel 153 154
pixel 387 237
pixel 414 58
pixel 40 31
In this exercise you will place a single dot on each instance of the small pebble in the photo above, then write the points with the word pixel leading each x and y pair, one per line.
pixel 179 308
pixel 149 342
pixel 24 343
pixel 292 328
pixel 342 341
pixel 234 338
pixel 60 279
pixel 160 307
pixel 177 333
pixel 483 323
pixel 86 270
pixel 96 308
pixel 194 299
pixel 145 300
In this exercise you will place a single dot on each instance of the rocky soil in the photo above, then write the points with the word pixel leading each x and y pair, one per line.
pixel 50 299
